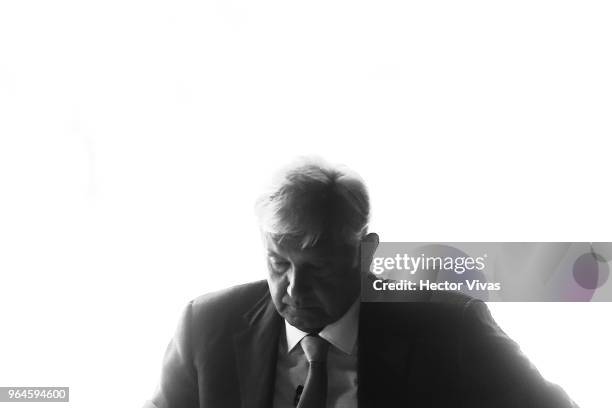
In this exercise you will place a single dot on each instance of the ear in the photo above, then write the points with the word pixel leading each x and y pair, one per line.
pixel 369 243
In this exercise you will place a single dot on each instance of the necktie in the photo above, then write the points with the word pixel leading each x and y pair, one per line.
pixel 315 389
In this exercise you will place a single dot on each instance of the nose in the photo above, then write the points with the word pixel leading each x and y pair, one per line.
pixel 297 287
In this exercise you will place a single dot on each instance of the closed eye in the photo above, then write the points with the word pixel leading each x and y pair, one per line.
pixel 278 264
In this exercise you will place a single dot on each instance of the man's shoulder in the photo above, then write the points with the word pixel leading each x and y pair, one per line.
pixel 235 299
pixel 243 293
pixel 435 313
pixel 225 308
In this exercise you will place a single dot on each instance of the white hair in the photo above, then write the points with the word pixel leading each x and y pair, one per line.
pixel 310 200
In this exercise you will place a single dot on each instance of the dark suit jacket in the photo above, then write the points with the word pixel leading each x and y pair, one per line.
pixel 443 352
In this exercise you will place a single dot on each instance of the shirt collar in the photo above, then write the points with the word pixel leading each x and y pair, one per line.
pixel 342 333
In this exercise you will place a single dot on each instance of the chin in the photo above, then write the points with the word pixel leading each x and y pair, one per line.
pixel 304 323
pixel 308 328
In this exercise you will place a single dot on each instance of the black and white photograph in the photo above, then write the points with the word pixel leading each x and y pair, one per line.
pixel 219 204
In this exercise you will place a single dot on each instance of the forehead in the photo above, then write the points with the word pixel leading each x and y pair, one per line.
pixel 292 248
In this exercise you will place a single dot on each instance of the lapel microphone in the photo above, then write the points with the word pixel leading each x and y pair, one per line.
pixel 298 394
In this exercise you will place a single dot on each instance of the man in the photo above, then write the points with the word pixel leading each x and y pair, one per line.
pixel 304 339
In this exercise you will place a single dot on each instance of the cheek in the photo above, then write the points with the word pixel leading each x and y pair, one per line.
pixel 277 285
pixel 329 294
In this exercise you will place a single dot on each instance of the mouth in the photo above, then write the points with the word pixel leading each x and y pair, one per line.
pixel 302 308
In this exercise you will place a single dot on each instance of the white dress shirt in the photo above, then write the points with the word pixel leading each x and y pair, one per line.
pixel 292 366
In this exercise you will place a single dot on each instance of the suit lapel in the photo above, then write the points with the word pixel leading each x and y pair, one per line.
pixel 256 347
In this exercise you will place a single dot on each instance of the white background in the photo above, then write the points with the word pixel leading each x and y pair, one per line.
pixel 135 135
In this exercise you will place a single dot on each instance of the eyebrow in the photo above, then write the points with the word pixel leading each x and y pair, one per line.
pixel 311 259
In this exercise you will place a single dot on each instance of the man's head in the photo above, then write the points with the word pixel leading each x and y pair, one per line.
pixel 313 220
